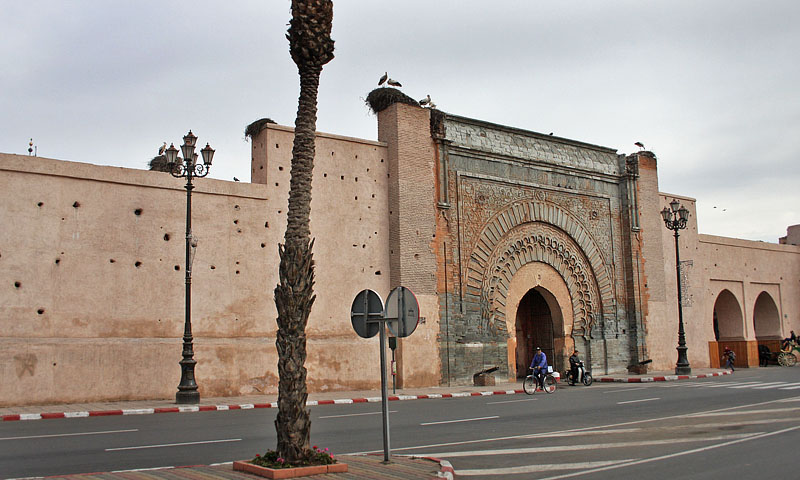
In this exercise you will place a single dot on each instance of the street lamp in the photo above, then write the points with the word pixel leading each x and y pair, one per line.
pixel 675 218
pixel 188 168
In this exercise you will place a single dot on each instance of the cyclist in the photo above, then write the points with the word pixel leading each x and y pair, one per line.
pixel 539 366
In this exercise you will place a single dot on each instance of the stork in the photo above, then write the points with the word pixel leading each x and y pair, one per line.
pixel 640 145
pixel 383 78
pixel 425 101
pixel 162 149
pixel 394 82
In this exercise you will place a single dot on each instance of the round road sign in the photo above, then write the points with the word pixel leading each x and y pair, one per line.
pixel 402 312
pixel 366 313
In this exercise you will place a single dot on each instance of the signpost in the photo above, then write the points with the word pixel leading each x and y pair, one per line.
pixel 369 316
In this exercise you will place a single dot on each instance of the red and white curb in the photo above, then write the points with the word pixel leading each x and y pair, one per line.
pixel 663 378
pixel 311 403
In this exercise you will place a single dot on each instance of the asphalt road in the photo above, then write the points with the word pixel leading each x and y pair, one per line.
pixel 746 423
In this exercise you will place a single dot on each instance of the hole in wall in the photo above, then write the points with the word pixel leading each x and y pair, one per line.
pixel 111 260
pixel 137 212
pixel 58 260
pixel 237 272
pixel 213 267
pixel 325 175
pixel 276 184
pixel 17 284
pixel 377 272
pixel 137 264
pixel 236 221
pixel 266 224
pixel 40 311
pixel 342 177
pixel 76 204
pixel 236 207
pixel 177 268
pixel 263 245
pixel 280 169
pixel 40 204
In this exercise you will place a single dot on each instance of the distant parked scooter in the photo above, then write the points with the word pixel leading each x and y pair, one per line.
pixel 584 376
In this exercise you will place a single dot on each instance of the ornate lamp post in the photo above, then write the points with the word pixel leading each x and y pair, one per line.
pixel 188 168
pixel 675 217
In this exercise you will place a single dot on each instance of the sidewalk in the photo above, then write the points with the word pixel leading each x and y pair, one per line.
pixel 360 466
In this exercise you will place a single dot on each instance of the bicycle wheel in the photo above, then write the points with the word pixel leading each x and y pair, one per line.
pixel 529 385
pixel 549 384
pixel 587 379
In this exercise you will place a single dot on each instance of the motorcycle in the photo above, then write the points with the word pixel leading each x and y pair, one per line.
pixel 584 376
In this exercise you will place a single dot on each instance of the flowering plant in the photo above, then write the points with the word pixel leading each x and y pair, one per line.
pixel 271 459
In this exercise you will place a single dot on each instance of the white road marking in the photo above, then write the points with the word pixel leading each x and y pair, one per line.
pixel 537 468
pixel 790 388
pixel 757 384
pixel 356 414
pixel 780 384
pixel 141 469
pixel 591 446
pixel 511 401
pixel 729 384
pixel 461 420
pixel 625 390
pixel 641 400
pixel 673 455
pixel 745 412
pixel 106 432
pixel 140 447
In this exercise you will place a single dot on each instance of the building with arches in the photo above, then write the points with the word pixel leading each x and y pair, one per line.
pixel 510 239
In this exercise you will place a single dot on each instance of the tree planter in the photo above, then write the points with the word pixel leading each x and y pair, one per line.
pixel 289 472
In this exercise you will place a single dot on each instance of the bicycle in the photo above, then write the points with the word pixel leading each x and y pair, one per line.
pixel 530 385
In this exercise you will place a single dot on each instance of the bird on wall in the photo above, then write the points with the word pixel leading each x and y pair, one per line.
pixel 640 145
pixel 425 101
pixel 393 82
pixel 235 179
pixel 383 78
pixel 162 149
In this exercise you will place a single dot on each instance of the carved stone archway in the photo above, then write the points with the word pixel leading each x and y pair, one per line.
pixel 534 231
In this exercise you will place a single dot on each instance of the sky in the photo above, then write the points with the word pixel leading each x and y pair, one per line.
pixel 711 87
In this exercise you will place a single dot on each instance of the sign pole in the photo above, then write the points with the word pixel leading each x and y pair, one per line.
pixel 384 394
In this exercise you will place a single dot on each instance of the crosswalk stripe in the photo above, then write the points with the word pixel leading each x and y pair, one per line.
pixel 730 384
pixel 790 388
pixel 591 446
pixel 538 468
pixel 758 384
pixel 779 385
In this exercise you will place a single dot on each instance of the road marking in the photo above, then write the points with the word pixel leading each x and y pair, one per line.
pixel 626 390
pixel 511 401
pixel 140 447
pixel 106 432
pixel 460 420
pixel 790 388
pixel 745 412
pixel 356 414
pixel 591 446
pixel 729 384
pixel 637 401
pixel 757 383
pixel 780 384
pixel 673 455
pixel 537 468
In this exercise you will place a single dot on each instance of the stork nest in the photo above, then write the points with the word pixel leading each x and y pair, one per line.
pixel 382 98
pixel 255 128
pixel 158 164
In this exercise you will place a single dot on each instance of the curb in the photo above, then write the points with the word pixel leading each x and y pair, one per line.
pixel 311 403
pixel 664 378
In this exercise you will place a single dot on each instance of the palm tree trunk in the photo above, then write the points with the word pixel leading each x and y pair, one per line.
pixel 294 295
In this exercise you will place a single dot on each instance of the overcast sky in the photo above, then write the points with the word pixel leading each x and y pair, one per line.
pixel 711 87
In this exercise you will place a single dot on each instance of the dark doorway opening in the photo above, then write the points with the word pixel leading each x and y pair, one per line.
pixel 534 329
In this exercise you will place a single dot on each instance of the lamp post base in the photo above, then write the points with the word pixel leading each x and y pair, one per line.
pixel 683 370
pixel 682 365
pixel 187 398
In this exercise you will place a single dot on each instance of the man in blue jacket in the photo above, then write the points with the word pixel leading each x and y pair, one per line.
pixel 539 366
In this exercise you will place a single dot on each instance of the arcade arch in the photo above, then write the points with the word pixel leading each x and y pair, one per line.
pixel 766 319
pixel 728 320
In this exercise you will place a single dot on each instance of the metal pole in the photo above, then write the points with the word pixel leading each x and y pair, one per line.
pixel 384 394
pixel 187 389
pixel 682 366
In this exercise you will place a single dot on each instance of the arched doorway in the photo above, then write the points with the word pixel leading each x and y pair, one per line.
pixel 766 319
pixel 534 328
pixel 728 317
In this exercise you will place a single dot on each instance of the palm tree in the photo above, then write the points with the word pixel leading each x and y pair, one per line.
pixel 311 47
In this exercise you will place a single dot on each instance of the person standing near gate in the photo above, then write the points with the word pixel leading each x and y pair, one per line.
pixel 730 357
pixel 574 363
